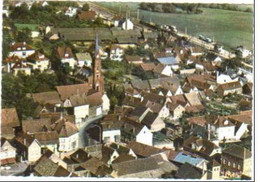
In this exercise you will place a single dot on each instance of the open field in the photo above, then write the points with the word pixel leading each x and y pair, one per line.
pixel 229 28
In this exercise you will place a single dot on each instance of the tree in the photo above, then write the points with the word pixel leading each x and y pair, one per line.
pixel 85 7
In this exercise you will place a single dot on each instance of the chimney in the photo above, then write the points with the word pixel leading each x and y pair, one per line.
pixel 77 155
pixel 61 115
pixel 24 141
pixel 119 117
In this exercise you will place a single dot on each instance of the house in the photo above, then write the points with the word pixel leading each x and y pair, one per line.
pixel 161 69
pixel 116 53
pixel 134 59
pixel 188 171
pixel 111 129
pixel 229 88
pixel 187 157
pixel 149 35
pixel 9 122
pixel 21 49
pixel 202 147
pixel 21 67
pixel 176 110
pixel 244 53
pixel 46 167
pixel 170 61
pixel 87 15
pixel 71 11
pixel 196 51
pixel 84 59
pixel 153 122
pixel 222 128
pixel 193 99
pixel 28 148
pixel 38 61
pixel 44 98
pixel 7 153
pixel 196 82
pixel 225 77
pixel 133 131
pixel 214 169
pixel 143 150
pixel 151 167
pixel 127 24
pixel 66 56
pixel 236 160
pixel 216 60
pixel 68 135
pixel 138 113
pixel 147 66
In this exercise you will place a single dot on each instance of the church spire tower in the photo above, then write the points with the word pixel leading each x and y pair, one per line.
pixel 98 80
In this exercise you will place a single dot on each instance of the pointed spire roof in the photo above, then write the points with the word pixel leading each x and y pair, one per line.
pixel 96 45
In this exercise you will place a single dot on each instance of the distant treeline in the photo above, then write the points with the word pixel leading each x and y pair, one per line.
pixel 171 8
pixel 189 8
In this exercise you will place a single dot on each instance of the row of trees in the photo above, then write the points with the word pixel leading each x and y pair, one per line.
pixel 172 7
pixel 48 16
pixel 189 8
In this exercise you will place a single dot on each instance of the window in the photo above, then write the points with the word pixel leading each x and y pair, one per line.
pixel 238 167
pixel 229 163
pixel 224 161
pixel 117 138
pixel 107 139
pixel 234 165
pixel 24 53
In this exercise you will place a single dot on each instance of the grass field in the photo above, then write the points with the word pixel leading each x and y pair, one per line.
pixel 229 28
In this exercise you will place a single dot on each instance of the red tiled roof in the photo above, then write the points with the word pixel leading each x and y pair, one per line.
pixel 17 45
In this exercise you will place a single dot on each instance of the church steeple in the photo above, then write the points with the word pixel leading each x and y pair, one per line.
pixel 96 46
pixel 98 81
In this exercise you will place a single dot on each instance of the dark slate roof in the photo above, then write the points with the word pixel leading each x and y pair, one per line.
pixel 149 118
pixel 238 151
pixel 80 156
pixel 188 171
pixel 138 111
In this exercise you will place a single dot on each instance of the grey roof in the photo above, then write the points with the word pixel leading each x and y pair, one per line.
pixel 135 166
pixel 167 60
pixel 238 151
pixel 140 84
pixel 187 171
pixel 83 56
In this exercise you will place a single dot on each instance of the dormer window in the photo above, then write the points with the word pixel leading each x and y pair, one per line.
pixel 66 55
pixel 19 48
pixel 41 57
pixel 24 48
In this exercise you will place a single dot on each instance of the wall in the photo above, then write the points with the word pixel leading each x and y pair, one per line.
pixel 34 151
pixel 145 136
pixel 65 143
pixel 111 134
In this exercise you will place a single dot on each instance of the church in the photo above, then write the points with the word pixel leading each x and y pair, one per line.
pixel 89 99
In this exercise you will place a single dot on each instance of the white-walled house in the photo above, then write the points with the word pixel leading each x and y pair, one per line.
pixel 127 24
pixel 66 56
pixel 27 147
pixel 71 11
pixel 68 136
pixel 38 61
pixel 134 131
pixel 223 128
pixel 153 121
pixel 7 153
pixel 225 78
pixel 80 107
pixel 116 53
pixel 84 59
pixel 21 49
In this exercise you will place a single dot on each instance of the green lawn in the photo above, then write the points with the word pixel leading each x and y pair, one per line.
pixel 230 28
pixel 32 27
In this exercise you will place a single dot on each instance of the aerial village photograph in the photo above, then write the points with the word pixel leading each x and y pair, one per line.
pixel 143 90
